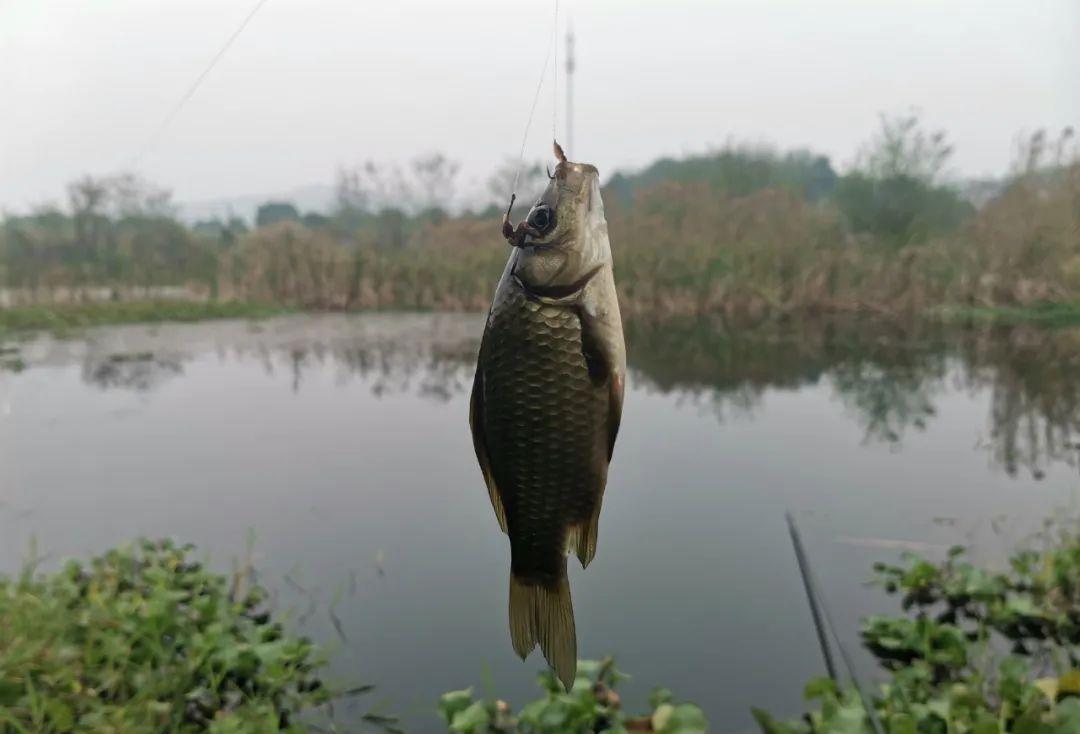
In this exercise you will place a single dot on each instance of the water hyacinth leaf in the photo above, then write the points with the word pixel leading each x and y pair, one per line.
pixel 985 724
pixel 1029 724
pixel 1068 716
pixel 659 696
pixel 819 687
pixel 769 725
pixel 588 708
pixel 661 715
pixel 472 720
pixel 144 639
pixel 903 724
pixel 450 704
pixel 684 718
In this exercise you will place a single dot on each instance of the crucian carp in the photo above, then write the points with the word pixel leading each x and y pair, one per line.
pixel 547 400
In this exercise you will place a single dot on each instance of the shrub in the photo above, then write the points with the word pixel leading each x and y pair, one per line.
pixel 948 673
pixel 590 707
pixel 144 640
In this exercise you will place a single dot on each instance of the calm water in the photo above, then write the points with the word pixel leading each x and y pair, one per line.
pixel 342 443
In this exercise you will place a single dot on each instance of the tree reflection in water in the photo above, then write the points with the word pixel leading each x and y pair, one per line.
pixel 889 377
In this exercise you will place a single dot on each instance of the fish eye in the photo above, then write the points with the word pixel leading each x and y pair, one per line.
pixel 541 218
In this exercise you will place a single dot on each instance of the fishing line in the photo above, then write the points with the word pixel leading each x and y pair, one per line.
pixel 176 109
pixel 555 74
pixel 532 110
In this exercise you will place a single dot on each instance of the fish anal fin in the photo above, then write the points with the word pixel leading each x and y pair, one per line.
pixel 543 613
pixel 476 423
pixel 582 538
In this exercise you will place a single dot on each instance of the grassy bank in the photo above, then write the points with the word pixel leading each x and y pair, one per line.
pixel 65 318
pixel 1041 314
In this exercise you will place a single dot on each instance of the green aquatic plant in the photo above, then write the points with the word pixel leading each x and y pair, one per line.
pixel 979 651
pixel 590 706
pixel 144 639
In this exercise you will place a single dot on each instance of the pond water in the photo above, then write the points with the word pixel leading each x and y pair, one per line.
pixel 341 444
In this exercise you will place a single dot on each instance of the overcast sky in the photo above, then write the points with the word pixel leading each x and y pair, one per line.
pixel 312 84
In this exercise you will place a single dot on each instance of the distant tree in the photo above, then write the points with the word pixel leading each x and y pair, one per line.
pixel 820 180
pixel 88 197
pixel 351 192
pixel 273 212
pixel 735 170
pixel 435 175
pixel 315 220
pixel 902 148
pixel 131 195
pixel 390 228
pixel 530 184
pixel 209 227
pixel 893 192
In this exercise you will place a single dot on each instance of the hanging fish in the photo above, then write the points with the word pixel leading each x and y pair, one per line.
pixel 546 403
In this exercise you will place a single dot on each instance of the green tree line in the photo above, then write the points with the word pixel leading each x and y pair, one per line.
pixel 743 231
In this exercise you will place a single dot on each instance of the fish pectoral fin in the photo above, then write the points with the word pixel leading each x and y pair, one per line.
pixel 582 538
pixel 601 350
pixel 476 423
pixel 616 388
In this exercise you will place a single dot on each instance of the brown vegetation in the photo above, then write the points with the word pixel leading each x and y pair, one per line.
pixel 744 233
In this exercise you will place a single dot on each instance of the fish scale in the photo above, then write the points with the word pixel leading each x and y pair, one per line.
pixel 539 378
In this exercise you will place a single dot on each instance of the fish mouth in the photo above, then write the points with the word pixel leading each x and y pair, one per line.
pixel 525 236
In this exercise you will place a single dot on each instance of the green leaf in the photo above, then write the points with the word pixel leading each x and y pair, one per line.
pixel 472 720
pixel 1067 715
pixel 1030 724
pixel 659 696
pixel 768 724
pixel 686 718
pixel 60 714
pixel 10 692
pixel 820 687
pixel 985 723
pixel 903 724
pixel 453 702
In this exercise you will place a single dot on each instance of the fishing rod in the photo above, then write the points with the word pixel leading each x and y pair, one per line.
pixel 808 586
pixel 823 623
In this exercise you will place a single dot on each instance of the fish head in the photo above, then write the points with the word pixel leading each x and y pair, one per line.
pixel 565 234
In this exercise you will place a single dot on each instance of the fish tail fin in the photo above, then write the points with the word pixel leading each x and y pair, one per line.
pixel 544 613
